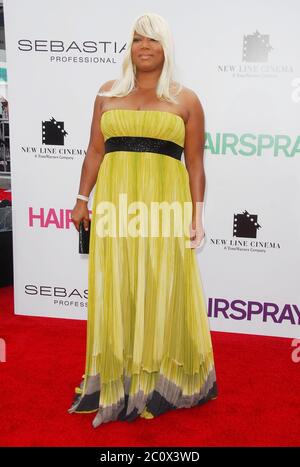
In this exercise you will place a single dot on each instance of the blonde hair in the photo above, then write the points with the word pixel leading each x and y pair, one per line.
pixel 153 26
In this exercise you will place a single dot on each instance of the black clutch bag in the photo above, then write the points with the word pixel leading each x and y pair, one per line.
pixel 84 238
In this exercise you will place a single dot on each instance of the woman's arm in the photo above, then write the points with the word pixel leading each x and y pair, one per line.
pixel 91 164
pixel 94 154
pixel 193 154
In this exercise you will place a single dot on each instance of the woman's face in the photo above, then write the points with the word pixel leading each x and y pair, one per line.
pixel 146 53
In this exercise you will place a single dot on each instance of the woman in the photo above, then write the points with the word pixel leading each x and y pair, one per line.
pixel 149 348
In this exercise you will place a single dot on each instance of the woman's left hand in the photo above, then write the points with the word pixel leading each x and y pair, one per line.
pixel 197 233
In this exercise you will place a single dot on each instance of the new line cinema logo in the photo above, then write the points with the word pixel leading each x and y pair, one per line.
pixel 245 227
pixel 53 143
pixel 255 52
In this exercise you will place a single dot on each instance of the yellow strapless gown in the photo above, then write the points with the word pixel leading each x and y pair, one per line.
pixel 149 347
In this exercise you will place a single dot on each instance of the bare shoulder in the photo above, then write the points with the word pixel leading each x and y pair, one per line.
pixel 188 100
pixel 107 85
pixel 100 99
pixel 191 101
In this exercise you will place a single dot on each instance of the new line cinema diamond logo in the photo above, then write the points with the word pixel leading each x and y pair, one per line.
pixel 245 225
pixel 53 132
pixel 256 47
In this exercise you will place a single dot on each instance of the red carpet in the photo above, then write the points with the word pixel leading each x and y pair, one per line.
pixel 258 403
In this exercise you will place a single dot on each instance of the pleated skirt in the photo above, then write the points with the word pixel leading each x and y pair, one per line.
pixel 148 339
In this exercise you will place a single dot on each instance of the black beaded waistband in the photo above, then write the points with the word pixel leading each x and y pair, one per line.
pixel 143 144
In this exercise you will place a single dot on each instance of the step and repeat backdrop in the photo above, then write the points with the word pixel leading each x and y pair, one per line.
pixel 243 61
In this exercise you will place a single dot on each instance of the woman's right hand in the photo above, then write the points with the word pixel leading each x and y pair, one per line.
pixel 80 213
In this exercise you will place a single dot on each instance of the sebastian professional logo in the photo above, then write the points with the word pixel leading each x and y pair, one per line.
pixel 256 47
pixel 75 51
pixel 245 225
pixel 53 132
pixel 58 295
